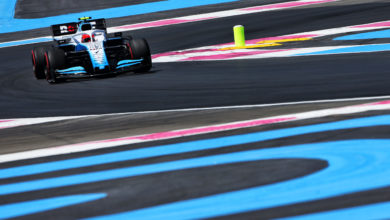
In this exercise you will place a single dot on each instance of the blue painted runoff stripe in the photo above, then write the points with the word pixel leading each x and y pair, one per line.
pixel 354 166
pixel 7 10
pixel 353 49
pixel 372 211
pixel 161 167
pixel 9 24
pixel 192 146
pixel 368 35
pixel 23 42
pixel 32 207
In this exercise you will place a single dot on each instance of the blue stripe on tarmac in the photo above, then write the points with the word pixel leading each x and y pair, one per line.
pixel 353 49
pixel 354 166
pixel 23 42
pixel 13 25
pixel 373 211
pixel 32 207
pixel 189 147
pixel 364 36
pixel 7 10
pixel 182 164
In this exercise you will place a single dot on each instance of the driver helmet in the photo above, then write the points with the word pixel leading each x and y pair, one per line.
pixel 85 38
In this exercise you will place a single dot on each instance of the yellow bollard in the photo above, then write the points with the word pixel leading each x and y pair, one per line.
pixel 239 36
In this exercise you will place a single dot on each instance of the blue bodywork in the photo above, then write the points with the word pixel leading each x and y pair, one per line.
pixel 88 38
pixel 127 63
pixel 73 70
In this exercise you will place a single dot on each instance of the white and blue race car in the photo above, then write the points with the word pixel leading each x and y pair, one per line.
pixel 84 49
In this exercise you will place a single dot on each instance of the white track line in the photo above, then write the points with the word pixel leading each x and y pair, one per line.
pixel 220 14
pixel 210 53
pixel 253 106
pixel 185 19
pixel 17 122
pixel 93 145
pixel 11 123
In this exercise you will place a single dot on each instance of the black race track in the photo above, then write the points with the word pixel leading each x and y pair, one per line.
pixel 192 85
pixel 206 84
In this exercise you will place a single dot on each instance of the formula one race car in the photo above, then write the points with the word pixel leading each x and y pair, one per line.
pixel 84 49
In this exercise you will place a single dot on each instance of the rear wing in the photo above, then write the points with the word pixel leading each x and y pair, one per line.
pixel 71 28
pixel 64 29
pixel 99 24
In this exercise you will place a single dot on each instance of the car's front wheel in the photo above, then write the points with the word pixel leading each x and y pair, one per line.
pixel 38 62
pixel 139 48
pixel 54 60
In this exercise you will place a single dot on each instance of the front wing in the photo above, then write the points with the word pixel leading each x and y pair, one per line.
pixel 79 64
pixel 81 72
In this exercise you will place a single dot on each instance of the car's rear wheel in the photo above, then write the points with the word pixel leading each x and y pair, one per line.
pixel 38 61
pixel 139 49
pixel 54 60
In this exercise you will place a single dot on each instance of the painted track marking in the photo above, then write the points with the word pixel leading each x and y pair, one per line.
pixel 67 149
pixel 372 211
pixel 353 167
pixel 267 43
pixel 221 14
pixel 11 123
pixel 41 205
pixel 217 52
pixel 10 24
pixel 186 147
pixel 178 20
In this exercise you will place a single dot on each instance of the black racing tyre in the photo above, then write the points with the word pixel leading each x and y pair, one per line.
pixel 54 60
pixel 38 62
pixel 139 48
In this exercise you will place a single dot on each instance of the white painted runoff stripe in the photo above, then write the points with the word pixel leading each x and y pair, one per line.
pixel 185 19
pixel 10 123
pixel 93 145
pixel 214 52
pixel 220 14
pixel 253 106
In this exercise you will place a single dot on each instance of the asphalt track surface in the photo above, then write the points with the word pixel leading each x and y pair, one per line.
pixel 192 85
pixel 40 9
pixel 207 84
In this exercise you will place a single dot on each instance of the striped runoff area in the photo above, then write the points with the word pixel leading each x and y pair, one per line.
pixel 263 47
pixel 180 20
pixel 101 144
pixel 353 166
